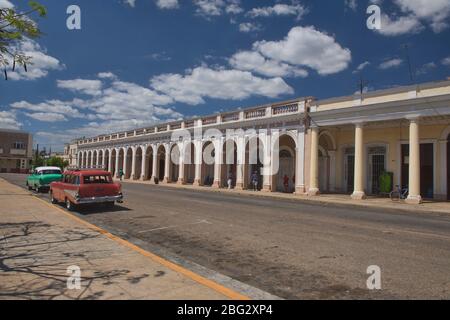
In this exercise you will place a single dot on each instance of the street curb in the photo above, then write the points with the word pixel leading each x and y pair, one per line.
pixel 247 290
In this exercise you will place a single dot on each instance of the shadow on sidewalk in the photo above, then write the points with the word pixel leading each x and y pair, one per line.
pixel 34 257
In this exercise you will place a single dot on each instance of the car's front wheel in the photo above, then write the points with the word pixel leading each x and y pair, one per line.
pixel 29 187
pixel 69 205
pixel 52 198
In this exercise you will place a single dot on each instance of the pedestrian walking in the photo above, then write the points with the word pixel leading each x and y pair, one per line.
pixel 121 174
pixel 230 180
pixel 255 181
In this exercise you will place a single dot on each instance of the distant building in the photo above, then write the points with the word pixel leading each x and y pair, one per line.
pixel 15 151
pixel 70 153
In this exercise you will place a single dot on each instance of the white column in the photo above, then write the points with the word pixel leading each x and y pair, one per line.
pixel 116 173
pixel 268 162
pixel 198 163
pixel 414 196
pixel 181 148
pixel 300 163
pixel 125 163
pixel 358 190
pixel 110 161
pixel 218 149
pixel 133 163
pixel 155 169
pixel 167 164
pixel 314 163
pixel 240 163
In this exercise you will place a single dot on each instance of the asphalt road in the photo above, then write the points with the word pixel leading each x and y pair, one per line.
pixel 289 249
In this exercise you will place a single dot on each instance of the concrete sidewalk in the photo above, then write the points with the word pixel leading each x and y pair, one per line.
pixel 38 242
pixel 338 200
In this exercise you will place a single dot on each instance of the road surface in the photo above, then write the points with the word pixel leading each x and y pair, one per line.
pixel 287 248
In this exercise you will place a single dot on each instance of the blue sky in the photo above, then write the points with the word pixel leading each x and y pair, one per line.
pixel 134 63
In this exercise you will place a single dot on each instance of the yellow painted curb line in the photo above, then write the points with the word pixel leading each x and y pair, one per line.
pixel 192 275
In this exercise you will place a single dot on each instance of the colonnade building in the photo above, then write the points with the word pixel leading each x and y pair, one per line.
pixel 302 146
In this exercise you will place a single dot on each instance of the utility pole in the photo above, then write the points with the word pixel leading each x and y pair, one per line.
pixel 362 84
pixel 408 61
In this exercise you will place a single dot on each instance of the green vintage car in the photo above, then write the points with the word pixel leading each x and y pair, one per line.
pixel 41 177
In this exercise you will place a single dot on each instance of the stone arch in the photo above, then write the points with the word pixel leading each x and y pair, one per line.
pixel 189 162
pixel 121 157
pixel 161 164
pixel 254 161
pixel 138 152
pixel 94 158
pixel 106 154
pixel 148 165
pixel 229 162
pixel 174 168
pixel 89 158
pixel 285 176
pixel 208 163
pixel 129 162
pixel 114 155
pixel 85 159
pixel 100 158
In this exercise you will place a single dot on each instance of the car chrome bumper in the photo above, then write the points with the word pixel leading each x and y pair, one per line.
pixel 118 198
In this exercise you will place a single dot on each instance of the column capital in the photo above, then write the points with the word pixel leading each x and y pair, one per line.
pixel 358 124
pixel 414 118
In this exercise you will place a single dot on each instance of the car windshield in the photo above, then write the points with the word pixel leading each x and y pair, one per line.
pixel 50 172
pixel 96 179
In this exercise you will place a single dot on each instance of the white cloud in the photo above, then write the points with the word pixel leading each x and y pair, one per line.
pixel 89 87
pixel 249 27
pixel 391 63
pixel 204 82
pixel 41 63
pixel 254 61
pixel 107 75
pixel 234 7
pixel 167 4
pixel 362 66
pixel 47 117
pixel 49 107
pixel 210 8
pixel 306 46
pixel 131 3
pixel 352 4
pixel 436 12
pixel 402 25
pixel 5 4
pixel 8 120
pixel 425 68
pixel 414 14
pixel 278 10
pixel 446 61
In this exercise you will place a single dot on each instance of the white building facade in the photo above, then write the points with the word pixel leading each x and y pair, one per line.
pixel 303 146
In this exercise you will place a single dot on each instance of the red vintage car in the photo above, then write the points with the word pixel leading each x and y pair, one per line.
pixel 86 187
